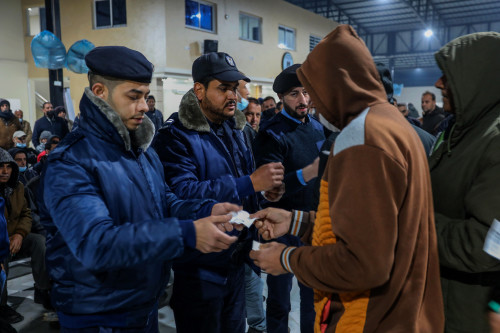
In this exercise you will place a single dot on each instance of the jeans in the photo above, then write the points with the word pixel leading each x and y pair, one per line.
pixel 256 318
pixel 152 327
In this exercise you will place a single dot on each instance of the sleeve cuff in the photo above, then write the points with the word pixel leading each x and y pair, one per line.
pixel 300 177
pixel 205 210
pixel 300 223
pixel 244 186
pixel 188 233
pixel 285 258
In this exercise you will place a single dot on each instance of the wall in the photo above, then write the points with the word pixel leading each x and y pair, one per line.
pixel 13 68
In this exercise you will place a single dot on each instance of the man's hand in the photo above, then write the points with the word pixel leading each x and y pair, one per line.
pixel 275 193
pixel 311 171
pixel 494 319
pixel 210 236
pixel 268 258
pixel 267 176
pixel 272 222
pixel 224 208
pixel 16 241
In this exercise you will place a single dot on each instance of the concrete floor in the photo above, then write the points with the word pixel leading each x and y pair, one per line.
pixel 20 287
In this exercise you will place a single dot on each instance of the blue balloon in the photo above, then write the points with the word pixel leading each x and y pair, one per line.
pixel 398 89
pixel 48 51
pixel 75 59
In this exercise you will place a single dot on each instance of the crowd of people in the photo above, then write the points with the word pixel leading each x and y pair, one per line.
pixel 380 214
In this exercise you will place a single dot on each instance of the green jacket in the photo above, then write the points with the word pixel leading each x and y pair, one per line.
pixel 465 174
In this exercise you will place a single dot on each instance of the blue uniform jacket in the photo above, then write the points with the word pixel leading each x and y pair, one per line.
pixel 111 236
pixel 198 164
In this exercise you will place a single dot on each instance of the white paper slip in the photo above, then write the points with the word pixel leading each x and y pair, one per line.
pixel 492 241
pixel 241 217
pixel 255 246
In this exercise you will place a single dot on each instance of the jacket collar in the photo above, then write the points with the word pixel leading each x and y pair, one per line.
pixel 141 137
pixel 191 116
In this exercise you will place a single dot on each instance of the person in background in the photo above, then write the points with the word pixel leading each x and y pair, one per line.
pixel 25 125
pixel 49 122
pixel 60 111
pixel 153 113
pixel 9 124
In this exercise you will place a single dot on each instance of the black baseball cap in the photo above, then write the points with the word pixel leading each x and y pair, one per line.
pixel 219 65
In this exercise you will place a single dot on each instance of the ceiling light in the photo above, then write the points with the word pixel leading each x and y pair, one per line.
pixel 428 33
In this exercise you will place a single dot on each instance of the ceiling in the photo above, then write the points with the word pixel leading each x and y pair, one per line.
pixel 394 29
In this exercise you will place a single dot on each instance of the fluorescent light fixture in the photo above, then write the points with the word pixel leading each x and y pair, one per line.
pixel 428 33
pixel 281 46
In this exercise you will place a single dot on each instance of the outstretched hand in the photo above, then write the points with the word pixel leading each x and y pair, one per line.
pixel 272 222
pixel 268 258
pixel 210 236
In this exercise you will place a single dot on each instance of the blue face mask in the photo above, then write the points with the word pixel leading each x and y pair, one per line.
pixel 20 145
pixel 22 169
pixel 243 104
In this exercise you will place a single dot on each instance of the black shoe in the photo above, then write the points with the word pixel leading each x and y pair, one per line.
pixel 42 296
pixel 10 315
pixel 5 327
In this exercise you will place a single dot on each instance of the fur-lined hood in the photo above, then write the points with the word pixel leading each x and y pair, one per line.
pixel 191 116
pixel 140 138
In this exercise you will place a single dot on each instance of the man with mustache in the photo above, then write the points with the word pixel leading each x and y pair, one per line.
pixel 204 154
pixel 293 138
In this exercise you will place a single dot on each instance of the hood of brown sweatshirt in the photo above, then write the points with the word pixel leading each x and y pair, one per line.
pixel 341 78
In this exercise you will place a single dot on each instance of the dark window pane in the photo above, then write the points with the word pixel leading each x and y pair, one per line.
pixel 119 12
pixel 102 14
pixel 206 17
pixel 192 14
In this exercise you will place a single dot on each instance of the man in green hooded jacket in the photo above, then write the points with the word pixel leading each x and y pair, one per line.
pixel 465 174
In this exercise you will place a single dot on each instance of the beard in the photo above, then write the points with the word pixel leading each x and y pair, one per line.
pixel 214 113
pixel 294 113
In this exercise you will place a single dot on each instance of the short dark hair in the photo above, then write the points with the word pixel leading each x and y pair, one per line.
pixel 402 104
pixel 268 98
pixel 206 81
pixel 151 97
pixel 278 105
pixel 109 82
pixel 430 93
pixel 253 100
pixel 45 103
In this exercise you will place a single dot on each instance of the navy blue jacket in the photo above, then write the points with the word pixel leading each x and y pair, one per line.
pixel 156 117
pixel 111 236
pixel 56 126
pixel 296 145
pixel 198 164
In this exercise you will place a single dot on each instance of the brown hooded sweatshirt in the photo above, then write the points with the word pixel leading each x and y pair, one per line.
pixel 374 261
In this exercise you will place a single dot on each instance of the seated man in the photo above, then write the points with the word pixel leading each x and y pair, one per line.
pixel 26 173
pixel 20 141
pixel 43 140
pixel 22 242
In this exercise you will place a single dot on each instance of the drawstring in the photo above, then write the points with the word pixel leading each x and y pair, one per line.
pixel 449 137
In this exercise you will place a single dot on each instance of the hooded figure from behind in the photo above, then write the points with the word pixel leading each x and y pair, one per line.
pixel 373 264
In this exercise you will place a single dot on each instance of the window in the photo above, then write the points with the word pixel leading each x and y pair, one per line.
pixel 200 15
pixel 35 20
pixel 250 28
pixel 286 38
pixel 313 41
pixel 110 13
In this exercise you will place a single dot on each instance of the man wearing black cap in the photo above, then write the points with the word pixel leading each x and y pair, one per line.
pixel 293 138
pixel 204 155
pixel 110 235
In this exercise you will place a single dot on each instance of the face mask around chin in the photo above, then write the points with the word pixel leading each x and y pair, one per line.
pixel 20 145
pixel 328 125
pixel 243 104
pixel 22 169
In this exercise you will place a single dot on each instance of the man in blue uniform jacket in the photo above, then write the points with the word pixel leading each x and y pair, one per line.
pixel 204 154
pixel 113 226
